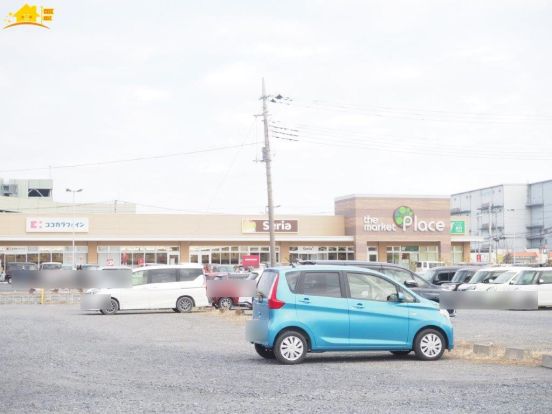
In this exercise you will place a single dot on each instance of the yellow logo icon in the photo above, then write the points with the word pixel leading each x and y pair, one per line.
pixel 30 15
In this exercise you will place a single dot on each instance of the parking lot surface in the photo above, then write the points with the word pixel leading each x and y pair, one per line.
pixel 525 329
pixel 54 358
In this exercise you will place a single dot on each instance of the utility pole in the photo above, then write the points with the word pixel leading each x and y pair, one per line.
pixel 490 232
pixel 267 160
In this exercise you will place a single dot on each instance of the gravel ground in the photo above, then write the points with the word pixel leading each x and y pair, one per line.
pixel 54 358
pixel 524 329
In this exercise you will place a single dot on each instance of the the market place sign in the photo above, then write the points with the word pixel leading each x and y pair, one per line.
pixel 403 219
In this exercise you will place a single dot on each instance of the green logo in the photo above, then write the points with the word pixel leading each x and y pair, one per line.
pixel 457 227
pixel 400 213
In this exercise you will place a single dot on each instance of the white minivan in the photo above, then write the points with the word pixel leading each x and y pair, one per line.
pixel 177 287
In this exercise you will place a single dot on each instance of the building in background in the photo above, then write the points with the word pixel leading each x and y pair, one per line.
pixel 507 219
pixel 35 196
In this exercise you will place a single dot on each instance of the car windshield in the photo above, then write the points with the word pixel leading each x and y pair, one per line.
pixel 483 276
pixel 51 266
pixel 504 277
pixel 462 276
pixel 22 266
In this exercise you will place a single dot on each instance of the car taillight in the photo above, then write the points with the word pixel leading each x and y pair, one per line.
pixel 273 301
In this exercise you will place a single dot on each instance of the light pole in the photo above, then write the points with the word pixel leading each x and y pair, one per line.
pixel 73 222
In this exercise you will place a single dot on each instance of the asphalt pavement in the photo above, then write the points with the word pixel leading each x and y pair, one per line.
pixel 54 358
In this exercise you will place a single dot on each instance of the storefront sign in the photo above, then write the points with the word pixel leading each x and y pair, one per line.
pixel 56 225
pixel 403 219
pixel 457 227
pixel 251 260
pixel 262 226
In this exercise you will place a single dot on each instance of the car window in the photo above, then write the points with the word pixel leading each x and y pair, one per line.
pixel 445 276
pixel 161 275
pixel 504 277
pixel 292 278
pixel 187 275
pixel 525 278
pixel 321 284
pixel 546 277
pixel 400 275
pixel 139 278
pixel 370 287
pixel 265 283
pixel 421 282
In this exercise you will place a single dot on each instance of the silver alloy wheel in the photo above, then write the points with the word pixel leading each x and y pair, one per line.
pixel 292 348
pixel 225 303
pixel 184 304
pixel 431 345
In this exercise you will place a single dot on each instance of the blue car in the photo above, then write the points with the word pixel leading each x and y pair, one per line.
pixel 343 308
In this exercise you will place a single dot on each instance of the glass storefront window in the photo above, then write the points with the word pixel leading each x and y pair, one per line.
pixel 457 254
pixel 321 253
pixel 136 255
pixel 229 254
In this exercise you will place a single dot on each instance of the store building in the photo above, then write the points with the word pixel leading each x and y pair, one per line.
pixel 364 227
pixel 405 230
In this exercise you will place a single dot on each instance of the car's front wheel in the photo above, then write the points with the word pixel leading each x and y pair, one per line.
pixel 265 352
pixel 184 304
pixel 225 303
pixel 291 348
pixel 112 309
pixel 429 345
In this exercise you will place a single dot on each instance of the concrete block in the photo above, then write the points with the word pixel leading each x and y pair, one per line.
pixel 547 361
pixel 482 349
pixel 515 353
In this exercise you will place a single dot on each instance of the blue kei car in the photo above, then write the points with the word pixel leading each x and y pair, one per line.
pixel 342 308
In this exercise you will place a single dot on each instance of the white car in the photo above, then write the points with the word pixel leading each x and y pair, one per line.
pixel 177 287
pixel 481 279
pixel 502 280
pixel 539 279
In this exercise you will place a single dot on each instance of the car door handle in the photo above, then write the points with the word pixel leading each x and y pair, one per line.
pixel 359 306
pixel 305 300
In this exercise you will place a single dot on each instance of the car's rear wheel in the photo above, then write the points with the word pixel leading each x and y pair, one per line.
pixel 429 345
pixel 291 348
pixel 112 309
pixel 8 279
pixel 400 353
pixel 265 352
pixel 225 303
pixel 184 304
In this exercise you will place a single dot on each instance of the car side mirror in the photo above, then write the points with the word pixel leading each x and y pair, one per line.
pixel 410 283
pixel 396 297
pixel 512 282
pixel 541 281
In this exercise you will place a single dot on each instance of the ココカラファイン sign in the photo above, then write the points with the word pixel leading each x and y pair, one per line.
pixel 56 225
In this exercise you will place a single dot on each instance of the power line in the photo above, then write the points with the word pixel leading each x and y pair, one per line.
pixel 124 160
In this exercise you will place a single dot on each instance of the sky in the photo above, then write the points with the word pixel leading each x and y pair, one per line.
pixel 383 97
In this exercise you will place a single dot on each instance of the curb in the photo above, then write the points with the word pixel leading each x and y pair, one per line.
pixel 501 353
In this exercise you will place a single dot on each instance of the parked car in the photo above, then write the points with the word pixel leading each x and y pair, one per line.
pixel 440 275
pixel 399 273
pixel 504 279
pixel 176 287
pixel 424 266
pixel 51 266
pixel 482 277
pixel 89 266
pixel 461 276
pixel 536 279
pixel 322 308
pixel 14 266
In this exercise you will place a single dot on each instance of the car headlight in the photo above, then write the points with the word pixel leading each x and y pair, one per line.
pixel 445 313
pixel 91 291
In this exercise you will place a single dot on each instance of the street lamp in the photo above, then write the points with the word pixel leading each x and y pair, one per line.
pixel 73 223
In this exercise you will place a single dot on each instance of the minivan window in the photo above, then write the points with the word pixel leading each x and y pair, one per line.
pixel 265 283
pixel 292 278
pixel 546 277
pixel 525 278
pixel 504 277
pixel 187 275
pixel 138 278
pixel 161 275
pixel 322 284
